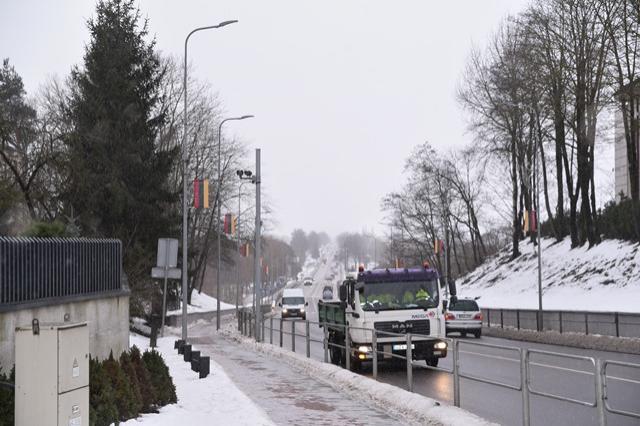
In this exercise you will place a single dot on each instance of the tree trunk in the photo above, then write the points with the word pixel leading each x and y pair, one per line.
pixel 558 122
pixel 515 251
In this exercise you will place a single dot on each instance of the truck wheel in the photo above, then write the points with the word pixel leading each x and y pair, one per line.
pixel 335 355
pixel 478 334
pixel 356 365
pixel 432 362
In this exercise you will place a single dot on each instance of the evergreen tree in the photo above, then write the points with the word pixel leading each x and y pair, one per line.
pixel 118 185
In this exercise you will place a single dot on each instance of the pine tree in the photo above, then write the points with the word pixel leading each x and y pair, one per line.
pixel 118 177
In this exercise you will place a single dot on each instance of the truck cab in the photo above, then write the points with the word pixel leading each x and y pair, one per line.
pixel 389 303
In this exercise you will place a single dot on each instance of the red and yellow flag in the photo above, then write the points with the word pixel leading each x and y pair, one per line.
pixel 530 224
pixel 201 193
pixel 230 224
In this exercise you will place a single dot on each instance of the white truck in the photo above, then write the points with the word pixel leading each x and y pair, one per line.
pixel 397 301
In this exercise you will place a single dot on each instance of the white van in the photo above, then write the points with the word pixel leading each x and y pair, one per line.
pixel 293 303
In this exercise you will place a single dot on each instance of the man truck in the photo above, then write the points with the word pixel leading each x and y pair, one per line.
pixel 395 301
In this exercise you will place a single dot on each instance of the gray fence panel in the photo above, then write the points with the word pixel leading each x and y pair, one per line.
pixel 583 322
pixel 34 269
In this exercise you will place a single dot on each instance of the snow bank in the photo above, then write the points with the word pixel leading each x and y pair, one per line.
pixel 212 400
pixel 413 407
pixel 603 278
pixel 201 302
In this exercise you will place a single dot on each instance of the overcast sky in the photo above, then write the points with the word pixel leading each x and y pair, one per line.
pixel 342 90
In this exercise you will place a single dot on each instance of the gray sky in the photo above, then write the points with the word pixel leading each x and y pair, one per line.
pixel 342 90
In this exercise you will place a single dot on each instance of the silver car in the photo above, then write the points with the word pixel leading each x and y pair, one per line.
pixel 464 317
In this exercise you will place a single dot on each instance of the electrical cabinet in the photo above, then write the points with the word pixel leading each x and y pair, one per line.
pixel 52 375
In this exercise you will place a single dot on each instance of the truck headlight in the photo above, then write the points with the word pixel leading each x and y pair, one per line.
pixel 364 349
pixel 284 310
pixel 302 310
pixel 440 345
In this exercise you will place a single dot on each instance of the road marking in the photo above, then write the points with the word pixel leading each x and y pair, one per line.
pixel 537 364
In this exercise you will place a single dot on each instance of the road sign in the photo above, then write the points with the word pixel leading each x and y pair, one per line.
pixel 167 253
pixel 167 261
pixel 172 273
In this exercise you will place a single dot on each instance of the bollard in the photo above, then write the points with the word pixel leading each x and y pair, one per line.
pixel 308 339
pixel 271 330
pixel 204 367
pixel 325 342
pixel 281 324
pixel 187 353
pixel 293 335
pixel 456 374
pixel 409 356
pixel 181 346
pixel 374 353
pixel 195 361
pixel 347 347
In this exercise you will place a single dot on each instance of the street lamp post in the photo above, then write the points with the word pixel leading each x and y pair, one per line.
pixel 219 205
pixel 244 175
pixel 185 265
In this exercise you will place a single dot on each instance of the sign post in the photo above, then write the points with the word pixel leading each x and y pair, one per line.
pixel 167 261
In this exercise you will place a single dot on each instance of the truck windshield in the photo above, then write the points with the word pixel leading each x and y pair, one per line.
pixel 399 295
pixel 293 300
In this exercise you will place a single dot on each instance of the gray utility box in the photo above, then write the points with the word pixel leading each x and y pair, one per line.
pixel 52 375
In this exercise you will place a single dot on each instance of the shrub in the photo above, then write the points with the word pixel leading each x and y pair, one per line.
pixel 147 391
pixel 160 378
pixel 7 399
pixel 122 391
pixel 130 371
pixel 102 404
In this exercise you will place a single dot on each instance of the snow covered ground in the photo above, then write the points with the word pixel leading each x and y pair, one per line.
pixel 201 302
pixel 212 400
pixel 604 278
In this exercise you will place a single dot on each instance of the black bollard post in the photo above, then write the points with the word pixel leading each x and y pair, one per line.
pixel 204 367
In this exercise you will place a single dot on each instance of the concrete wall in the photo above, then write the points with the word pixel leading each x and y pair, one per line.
pixel 107 318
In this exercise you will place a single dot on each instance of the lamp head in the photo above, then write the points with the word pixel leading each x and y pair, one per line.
pixel 225 23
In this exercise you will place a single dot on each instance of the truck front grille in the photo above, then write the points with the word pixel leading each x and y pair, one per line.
pixel 414 327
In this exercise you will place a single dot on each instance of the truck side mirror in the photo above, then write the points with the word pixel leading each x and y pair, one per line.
pixel 342 292
pixel 306 303
pixel 445 304
pixel 280 304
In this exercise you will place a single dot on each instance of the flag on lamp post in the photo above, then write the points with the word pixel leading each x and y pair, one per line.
pixel 201 193
pixel 230 223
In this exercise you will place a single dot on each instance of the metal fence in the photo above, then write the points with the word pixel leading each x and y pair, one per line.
pixel 34 270
pixel 523 357
pixel 618 324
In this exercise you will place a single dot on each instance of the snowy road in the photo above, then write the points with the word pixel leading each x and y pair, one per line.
pixel 570 378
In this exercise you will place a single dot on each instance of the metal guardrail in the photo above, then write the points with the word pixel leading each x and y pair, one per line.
pixel 39 269
pixel 618 324
pixel 523 359
pixel 603 375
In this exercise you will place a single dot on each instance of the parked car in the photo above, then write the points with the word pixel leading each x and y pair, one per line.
pixel 327 292
pixel 464 317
